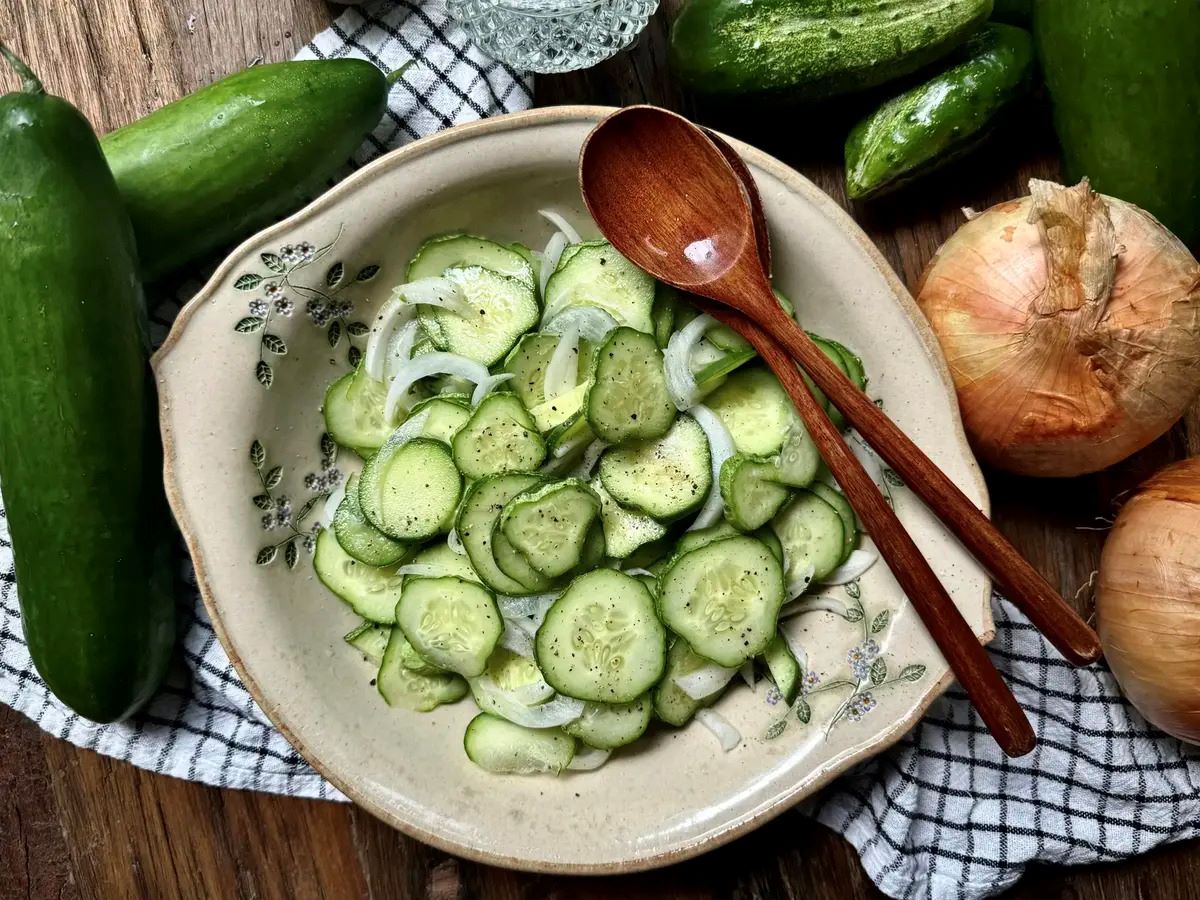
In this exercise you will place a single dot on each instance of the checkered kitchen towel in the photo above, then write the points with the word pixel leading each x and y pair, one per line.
pixel 942 815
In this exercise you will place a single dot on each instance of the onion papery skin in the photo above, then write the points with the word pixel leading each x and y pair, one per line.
pixel 1073 339
pixel 1148 600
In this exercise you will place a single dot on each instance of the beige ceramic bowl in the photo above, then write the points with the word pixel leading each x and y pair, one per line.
pixel 241 383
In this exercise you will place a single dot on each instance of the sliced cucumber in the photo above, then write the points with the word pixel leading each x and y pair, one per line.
pixel 410 491
pixel 671 704
pixel 662 313
pixel 712 375
pixel 500 437
pixel 549 524
pixel 447 414
pixel 625 530
pixel 629 400
pixel 665 478
pixel 415 662
pixel 440 558
pixel 783 667
pixel 354 412
pixel 724 598
pixel 799 459
pixel 477 518
pixel 570 437
pixel 830 350
pixel 513 674
pixel 451 622
pixel 601 640
pixel 751 497
pixel 838 501
pixel 607 726
pixel 459 251
pixel 771 539
pixel 727 339
pixel 514 564
pixel 502 748
pixel 369 591
pixel 853 363
pixel 370 640
pixel 528 360
pixel 561 409
pixel 402 687
pixel 755 408
pixel 498 310
pixel 702 537
pixel 597 275
pixel 359 538
pixel 812 533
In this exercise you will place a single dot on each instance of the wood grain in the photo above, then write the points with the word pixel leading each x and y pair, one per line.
pixel 76 825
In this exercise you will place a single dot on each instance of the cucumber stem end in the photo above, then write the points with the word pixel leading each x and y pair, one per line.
pixel 30 84
pixel 396 74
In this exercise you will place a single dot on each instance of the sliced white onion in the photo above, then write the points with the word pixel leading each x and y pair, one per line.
pixel 591 456
pixel 852 568
pixel 516 638
pixel 636 572
pixel 589 322
pixel 551 714
pixel 523 607
pixel 488 385
pixel 437 363
pixel 533 693
pixel 572 446
pixel 332 502
pixel 553 253
pixel 747 673
pixel 801 582
pixel 454 542
pixel 556 219
pixel 792 639
pixel 563 367
pixel 724 732
pixel 705 681
pixel 422 570
pixel 819 603
pixel 705 354
pixel 720 448
pixel 436 291
pixel 867 457
pixel 391 316
pixel 587 759
pixel 538 616
pixel 400 348
pixel 409 429
pixel 677 361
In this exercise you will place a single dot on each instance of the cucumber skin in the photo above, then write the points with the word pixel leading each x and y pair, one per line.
pixel 218 164
pixel 812 49
pixel 935 122
pixel 82 472
pixel 1124 82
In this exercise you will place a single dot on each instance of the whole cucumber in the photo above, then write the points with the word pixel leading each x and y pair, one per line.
pixel 218 164
pixel 937 121
pixel 814 48
pixel 79 460
pixel 1124 80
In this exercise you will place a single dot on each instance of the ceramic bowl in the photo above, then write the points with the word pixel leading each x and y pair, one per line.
pixel 241 382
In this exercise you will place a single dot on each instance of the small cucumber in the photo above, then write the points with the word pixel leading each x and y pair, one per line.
pixel 814 48
pixel 222 162
pixel 941 119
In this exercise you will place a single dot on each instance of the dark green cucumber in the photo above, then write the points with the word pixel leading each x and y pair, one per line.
pixel 79 458
pixel 932 123
pixel 217 165
pixel 1124 80
pixel 814 48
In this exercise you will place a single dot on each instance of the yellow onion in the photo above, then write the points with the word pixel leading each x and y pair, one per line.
pixel 1071 325
pixel 1148 600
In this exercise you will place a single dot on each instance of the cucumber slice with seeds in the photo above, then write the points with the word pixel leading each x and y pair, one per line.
pixel 799 459
pixel 514 564
pixel 451 622
pixel 666 478
pixel 629 400
pixel 498 311
pixel 359 538
pixel 702 537
pixel 445 561
pixel 601 640
pixel 370 640
pixel 811 532
pixel 597 275
pixel 499 437
pixel 549 524
pixel 447 414
pixel 458 251
pixel 371 592
pixel 502 748
pixel 671 704
pixel 751 497
pixel 625 530
pixel 480 511
pixel 353 412
pixel 607 726
pixel 410 491
pixel 724 598
pixel 755 408
pixel 402 687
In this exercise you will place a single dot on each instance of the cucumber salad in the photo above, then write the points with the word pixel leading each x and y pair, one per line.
pixel 583 504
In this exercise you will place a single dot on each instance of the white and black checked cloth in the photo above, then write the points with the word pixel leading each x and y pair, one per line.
pixel 942 815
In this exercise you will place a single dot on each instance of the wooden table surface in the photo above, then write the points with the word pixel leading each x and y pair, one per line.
pixel 75 824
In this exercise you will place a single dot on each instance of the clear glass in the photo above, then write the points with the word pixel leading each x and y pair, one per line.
pixel 552 35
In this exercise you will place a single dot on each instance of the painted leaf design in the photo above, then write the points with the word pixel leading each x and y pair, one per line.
pixel 803 712
pixel 328 447
pixel 307 507
pixel 275 344
pixel 264 373
pixel 892 478
pixel 258 455
pixel 355 357
pixel 335 332
pixel 881 622
pixel 854 614
pixel 879 671
pixel 912 673
pixel 248 282
pixel 266 556
pixel 776 729
pixel 854 591
pixel 273 262
pixel 357 329
pixel 366 273
pixel 291 555
pixel 262 501
pixel 334 276
pixel 273 477
pixel 249 324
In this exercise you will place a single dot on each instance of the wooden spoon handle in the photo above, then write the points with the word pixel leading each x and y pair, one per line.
pixel 1018 580
pixel 954 637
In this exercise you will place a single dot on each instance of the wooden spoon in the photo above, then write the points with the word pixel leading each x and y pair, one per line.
pixel 668 167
